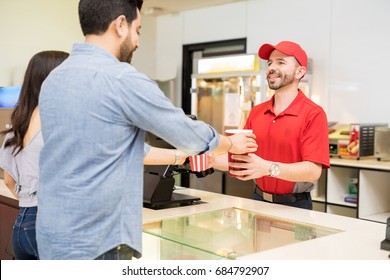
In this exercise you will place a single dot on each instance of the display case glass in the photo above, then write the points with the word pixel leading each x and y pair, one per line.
pixel 228 234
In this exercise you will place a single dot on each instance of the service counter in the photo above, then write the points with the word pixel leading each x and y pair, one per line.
pixel 272 231
pixel 228 227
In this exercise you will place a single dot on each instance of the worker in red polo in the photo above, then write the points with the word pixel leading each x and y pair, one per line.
pixel 291 133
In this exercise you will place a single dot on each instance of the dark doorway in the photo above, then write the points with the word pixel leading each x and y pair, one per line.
pixel 208 49
pixel 217 48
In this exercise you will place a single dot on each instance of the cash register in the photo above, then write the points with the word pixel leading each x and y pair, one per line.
pixel 159 181
pixel 159 188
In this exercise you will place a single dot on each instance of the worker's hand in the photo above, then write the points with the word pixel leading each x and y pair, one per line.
pixel 251 167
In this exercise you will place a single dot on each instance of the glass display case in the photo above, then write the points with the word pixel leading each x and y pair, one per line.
pixel 227 234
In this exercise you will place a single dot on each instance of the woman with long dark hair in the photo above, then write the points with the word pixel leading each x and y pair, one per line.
pixel 19 155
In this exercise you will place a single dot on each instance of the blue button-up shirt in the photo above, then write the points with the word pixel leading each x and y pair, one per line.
pixel 94 112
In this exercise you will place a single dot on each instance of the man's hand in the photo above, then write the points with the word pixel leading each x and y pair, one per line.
pixel 243 143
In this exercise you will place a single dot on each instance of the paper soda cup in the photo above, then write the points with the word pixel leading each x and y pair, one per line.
pixel 230 132
pixel 198 162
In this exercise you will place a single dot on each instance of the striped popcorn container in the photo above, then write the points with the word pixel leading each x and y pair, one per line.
pixel 198 162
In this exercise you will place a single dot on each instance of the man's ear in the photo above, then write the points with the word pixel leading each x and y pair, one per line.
pixel 300 72
pixel 121 25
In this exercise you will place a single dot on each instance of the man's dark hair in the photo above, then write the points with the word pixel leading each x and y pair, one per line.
pixel 96 15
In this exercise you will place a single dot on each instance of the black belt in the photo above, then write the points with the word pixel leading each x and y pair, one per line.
pixel 282 198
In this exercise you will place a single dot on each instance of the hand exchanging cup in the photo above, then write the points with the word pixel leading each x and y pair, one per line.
pixel 240 133
pixel 243 141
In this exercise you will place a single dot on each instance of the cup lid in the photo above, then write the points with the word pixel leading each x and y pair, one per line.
pixel 234 131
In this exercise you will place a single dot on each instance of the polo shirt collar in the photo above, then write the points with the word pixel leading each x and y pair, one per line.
pixel 293 109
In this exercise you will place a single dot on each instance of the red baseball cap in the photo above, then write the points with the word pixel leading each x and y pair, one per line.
pixel 286 47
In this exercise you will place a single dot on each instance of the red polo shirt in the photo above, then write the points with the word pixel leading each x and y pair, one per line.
pixel 300 133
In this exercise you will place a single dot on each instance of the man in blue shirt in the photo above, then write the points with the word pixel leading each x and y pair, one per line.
pixel 95 108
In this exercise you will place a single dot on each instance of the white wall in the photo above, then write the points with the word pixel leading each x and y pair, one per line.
pixel 306 22
pixel 348 41
pixel 215 23
pixel 30 26
pixel 360 60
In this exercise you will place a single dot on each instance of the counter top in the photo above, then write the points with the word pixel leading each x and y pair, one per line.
pixel 358 239
pixel 4 191
pixel 365 163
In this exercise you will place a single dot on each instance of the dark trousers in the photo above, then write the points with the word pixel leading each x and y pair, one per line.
pixel 23 235
pixel 305 203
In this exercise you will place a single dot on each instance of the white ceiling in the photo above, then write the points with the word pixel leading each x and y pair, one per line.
pixel 160 7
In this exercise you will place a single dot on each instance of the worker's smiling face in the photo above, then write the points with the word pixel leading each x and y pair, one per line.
pixel 282 70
